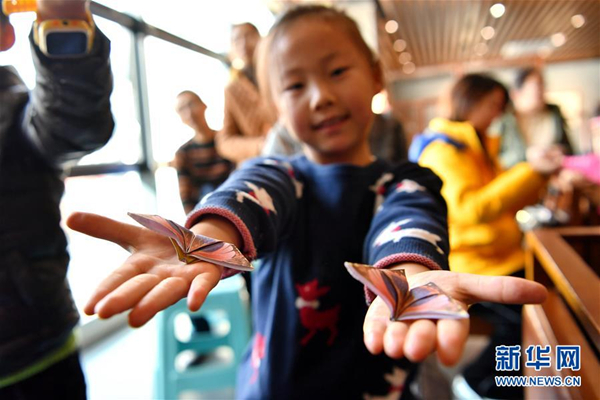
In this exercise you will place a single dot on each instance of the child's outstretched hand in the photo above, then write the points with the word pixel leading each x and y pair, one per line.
pixel 151 279
pixel 417 339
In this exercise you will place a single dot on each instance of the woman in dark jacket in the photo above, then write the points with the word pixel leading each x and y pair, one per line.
pixel 533 122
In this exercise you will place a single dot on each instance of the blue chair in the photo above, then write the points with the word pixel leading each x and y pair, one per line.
pixel 227 304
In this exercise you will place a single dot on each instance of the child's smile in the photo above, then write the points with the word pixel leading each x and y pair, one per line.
pixel 330 125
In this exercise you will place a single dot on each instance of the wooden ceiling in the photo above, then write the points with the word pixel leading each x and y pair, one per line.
pixel 445 35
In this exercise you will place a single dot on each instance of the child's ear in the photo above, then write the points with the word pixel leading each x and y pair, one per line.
pixel 377 77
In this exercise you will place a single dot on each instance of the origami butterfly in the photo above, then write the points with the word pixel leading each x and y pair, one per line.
pixel 191 247
pixel 422 302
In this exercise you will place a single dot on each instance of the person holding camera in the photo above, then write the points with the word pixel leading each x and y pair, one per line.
pixel 66 116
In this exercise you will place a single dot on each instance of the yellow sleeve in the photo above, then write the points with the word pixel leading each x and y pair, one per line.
pixel 470 200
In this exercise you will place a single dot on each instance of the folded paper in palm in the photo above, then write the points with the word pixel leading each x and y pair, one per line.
pixel 422 302
pixel 191 247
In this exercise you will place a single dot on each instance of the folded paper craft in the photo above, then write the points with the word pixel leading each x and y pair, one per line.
pixel 191 247
pixel 422 302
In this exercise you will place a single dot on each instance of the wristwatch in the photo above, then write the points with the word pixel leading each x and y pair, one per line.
pixel 56 37
pixel 64 37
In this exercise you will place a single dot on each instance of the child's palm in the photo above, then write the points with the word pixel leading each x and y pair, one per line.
pixel 151 279
pixel 415 340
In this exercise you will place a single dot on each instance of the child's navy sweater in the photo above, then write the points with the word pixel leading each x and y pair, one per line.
pixel 303 220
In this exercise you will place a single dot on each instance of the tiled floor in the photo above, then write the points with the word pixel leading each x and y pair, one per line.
pixel 122 368
pixel 435 380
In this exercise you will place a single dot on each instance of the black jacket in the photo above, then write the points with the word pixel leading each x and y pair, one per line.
pixel 66 116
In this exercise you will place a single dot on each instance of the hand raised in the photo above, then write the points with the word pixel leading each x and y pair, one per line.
pixel 151 279
pixel 415 340
pixel 545 160
pixel 62 9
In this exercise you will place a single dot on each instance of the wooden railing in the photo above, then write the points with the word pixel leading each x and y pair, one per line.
pixel 567 261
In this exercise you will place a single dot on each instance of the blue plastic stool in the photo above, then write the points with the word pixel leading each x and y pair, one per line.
pixel 226 304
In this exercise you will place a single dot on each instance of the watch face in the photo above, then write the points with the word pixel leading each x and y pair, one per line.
pixel 66 43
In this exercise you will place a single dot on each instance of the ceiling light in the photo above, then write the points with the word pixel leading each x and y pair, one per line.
pixel 391 26
pixel 404 57
pixel 487 32
pixel 409 68
pixel 526 47
pixel 558 39
pixel 497 10
pixel 577 21
pixel 400 45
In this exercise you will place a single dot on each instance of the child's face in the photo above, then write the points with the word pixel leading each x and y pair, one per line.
pixel 190 110
pixel 323 86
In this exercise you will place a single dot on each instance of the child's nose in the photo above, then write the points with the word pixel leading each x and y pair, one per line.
pixel 322 95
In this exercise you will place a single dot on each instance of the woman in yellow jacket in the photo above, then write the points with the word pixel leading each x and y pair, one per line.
pixel 482 202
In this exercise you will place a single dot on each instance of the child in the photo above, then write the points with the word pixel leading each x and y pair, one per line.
pixel 200 169
pixel 304 217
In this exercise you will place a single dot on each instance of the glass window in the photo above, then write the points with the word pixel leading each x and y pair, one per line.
pixel 171 69
pixel 125 144
pixel 19 55
pixel 206 23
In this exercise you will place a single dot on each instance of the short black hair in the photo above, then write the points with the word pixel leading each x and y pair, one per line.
pixel 248 24
pixel 523 74
pixel 190 93
pixel 468 91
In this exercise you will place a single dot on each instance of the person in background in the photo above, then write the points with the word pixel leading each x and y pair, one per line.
pixel 482 201
pixel 200 169
pixel 533 122
pixel 314 335
pixel 247 117
pixel 582 173
pixel 66 116
pixel 387 138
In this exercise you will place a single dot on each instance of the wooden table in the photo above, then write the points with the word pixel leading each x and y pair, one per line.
pixel 567 261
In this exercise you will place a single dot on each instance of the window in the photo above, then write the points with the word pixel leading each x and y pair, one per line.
pixel 125 144
pixel 169 75
pixel 148 71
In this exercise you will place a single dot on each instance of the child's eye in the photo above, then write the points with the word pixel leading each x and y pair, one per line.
pixel 339 71
pixel 293 87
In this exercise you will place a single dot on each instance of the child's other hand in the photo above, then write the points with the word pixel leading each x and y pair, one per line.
pixel 417 339
pixel 151 279
pixel 545 160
